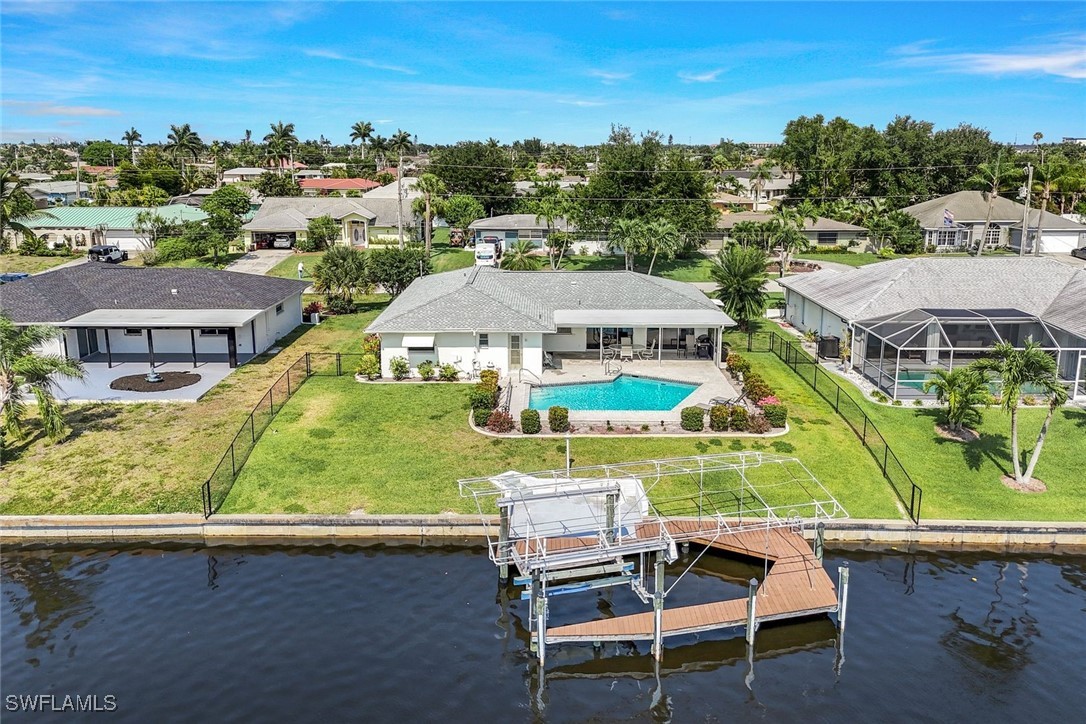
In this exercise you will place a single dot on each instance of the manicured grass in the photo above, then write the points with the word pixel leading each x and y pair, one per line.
pixel 153 457
pixel 339 446
pixel 31 264
pixel 850 259
pixel 288 268
pixel 204 262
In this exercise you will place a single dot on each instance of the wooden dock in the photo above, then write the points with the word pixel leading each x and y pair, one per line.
pixel 795 585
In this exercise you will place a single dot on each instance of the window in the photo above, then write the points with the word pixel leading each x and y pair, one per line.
pixel 279 308
pixel 994 235
pixel 827 237
pixel 212 332
pixel 130 332
pixel 946 238
pixel 484 341
pixel 564 330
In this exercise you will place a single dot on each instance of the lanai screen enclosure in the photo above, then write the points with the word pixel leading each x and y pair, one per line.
pixel 900 351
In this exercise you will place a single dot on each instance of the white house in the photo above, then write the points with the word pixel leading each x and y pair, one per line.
pixel 84 226
pixel 1058 234
pixel 111 313
pixel 58 193
pixel 901 319
pixel 234 175
pixel 283 220
pixel 483 317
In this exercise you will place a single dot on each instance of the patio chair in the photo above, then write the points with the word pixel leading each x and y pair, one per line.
pixel 690 344
pixel 626 354
pixel 548 360
pixel 648 352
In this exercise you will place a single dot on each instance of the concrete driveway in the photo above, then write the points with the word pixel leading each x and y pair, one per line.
pixel 95 386
pixel 259 262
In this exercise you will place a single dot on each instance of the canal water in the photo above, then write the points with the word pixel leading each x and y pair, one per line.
pixel 396 633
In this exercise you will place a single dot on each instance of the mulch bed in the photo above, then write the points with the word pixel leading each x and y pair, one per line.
pixel 170 381
pixel 1033 486
pixel 963 435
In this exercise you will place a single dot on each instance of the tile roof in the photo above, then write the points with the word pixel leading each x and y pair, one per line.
pixel 112 217
pixel 1035 285
pixel 69 292
pixel 338 184
pixel 488 299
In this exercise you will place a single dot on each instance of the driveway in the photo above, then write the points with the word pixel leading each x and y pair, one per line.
pixel 259 262
pixel 95 385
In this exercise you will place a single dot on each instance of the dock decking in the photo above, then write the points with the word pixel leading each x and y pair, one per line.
pixel 796 585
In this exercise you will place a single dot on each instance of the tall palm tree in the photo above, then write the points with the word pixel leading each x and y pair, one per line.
pixel 961 390
pixel 281 143
pixel 400 144
pixel 1031 368
pixel 16 206
pixel 182 140
pixel 786 233
pixel 758 178
pixel 993 177
pixel 518 257
pixel 379 146
pixel 362 131
pixel 631 235
pixel 132 137
pixel 21 364
pixel 738 272
pixel 663 238
pixel 549 209
pixel 432 189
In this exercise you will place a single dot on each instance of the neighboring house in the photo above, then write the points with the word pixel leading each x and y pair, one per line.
pixel 109 313
pixel 483 317
pixel 1059 235
pixel 234 175
pixel 193 198
pixel 382 202
pixel 84 226
pixel 907 317
pixel 723 202
pixel 307 174
pixel 820 233
pixel 335 186
pixel 281 221
pixel 766 190
pixel 511 227
pixel 58 193
pixel 31 176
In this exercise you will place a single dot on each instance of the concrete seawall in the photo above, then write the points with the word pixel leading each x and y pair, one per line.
pixel 256 529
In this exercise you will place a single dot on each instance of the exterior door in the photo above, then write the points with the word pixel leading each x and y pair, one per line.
pixel 516 355
pixel 87 340
pixel 232 346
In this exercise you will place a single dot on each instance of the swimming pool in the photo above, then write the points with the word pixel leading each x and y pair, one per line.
pixel 625 392
pixel 916 379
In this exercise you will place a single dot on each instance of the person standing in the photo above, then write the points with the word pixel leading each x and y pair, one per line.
pixel 301 270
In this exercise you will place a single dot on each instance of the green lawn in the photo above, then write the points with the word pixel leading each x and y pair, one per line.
pixel 288 268
pixel 204 262
pixel 339 446
pixel 31 264
pixel 850 259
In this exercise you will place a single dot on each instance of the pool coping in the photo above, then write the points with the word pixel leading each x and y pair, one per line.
pixel 271 529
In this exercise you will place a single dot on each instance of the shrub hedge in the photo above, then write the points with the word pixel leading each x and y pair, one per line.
pixel 692 419
pixel 489 377
pixel 500 421
pixel 480 416
pixel 448 373
pixel 718 418
pixel 369 367
pixel 777 415
pixel 758 424
pixel 738 419
pixel 426 370
pixel 738 364
pixel 483 397
pixel 529 422
pixel 399 367
pixel 558 419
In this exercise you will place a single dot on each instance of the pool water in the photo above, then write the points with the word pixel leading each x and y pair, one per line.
pixel 916 379
pixel 625 392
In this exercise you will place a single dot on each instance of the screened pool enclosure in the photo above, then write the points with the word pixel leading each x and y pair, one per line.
pixel 899 352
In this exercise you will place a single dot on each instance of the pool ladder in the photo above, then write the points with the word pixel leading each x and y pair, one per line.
pixel 610 367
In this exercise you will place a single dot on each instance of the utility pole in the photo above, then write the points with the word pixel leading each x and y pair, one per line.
pixel 78 168
pixel 1025 211
pixel 399 198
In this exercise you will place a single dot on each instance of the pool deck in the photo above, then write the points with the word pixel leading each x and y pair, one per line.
pixel 712 381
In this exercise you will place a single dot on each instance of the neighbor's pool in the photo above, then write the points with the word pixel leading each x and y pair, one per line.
pixel 916 379
pixel 625 392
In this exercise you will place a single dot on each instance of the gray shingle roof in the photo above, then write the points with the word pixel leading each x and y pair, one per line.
pixel 517 221
pixel 967 206
pixel 65 293
pixel 282 211
pixel 488 299
pixel 728 222
pixel 1034 285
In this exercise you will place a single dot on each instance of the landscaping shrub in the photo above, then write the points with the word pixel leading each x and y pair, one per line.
pixel 500 421
pixel 175 250
pixel 316 307
pixel 529 422
pixel 340 306
pixel 776 414
pixel 426 370
pixel 738 419
pixel 399 367
pixel 371 343
pixel 755 387
pixel 448 373
pixel 738 365
pixel 878 396
pixel 692 419
pixel 483 397
pixel 718 418
pixel 480 416
pixel 369 367
pixel 558 419
pixel 489 378
pixel 771 400
pixel 759 425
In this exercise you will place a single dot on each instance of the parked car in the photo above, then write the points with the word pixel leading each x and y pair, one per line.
pixel 107 253
pixel 1079 253
pixel 12 277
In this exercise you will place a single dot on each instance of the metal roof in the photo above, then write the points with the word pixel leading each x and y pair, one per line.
pixel 487 299
pixel 111 217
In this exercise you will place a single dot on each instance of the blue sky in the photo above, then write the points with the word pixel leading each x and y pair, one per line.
pixel 560 71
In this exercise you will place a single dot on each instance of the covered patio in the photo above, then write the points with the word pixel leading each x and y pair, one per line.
pixel 95 386
pixel 899 352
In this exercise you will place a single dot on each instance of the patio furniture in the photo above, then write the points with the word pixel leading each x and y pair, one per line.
pixel 648 352
pixel 689 343
pixel 548 360
pixel 610 351
pixel 626 353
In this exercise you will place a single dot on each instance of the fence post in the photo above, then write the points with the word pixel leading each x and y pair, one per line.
pixel 288 382
pixel 750 341
pixel 339 365
pixel 233 467
pixel 885 453
pixel 864 436
pixel 271 399
pixel 308 369
pixel 815 384
pixel 252 427
pixel 837 402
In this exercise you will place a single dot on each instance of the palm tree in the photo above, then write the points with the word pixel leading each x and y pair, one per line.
pixel 631 235
pixel 340 273
pixel 993 177
pixel 361 132
pixel 379 146
pixel 16 206
pixel 758 177
pixel 22 365
pixel 785 233
pixel 961 390
pixel 1029 367
pixel 183 140
pixel 663 238
pixel 518 257
pixel 738 272
pixel 132 137
pixel 432 189
pixel 281 143
pixel 400 144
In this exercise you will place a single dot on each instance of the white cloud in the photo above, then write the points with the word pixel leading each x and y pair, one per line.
pixel 608 77
pixel 41 108
pixel 580 104
pixel 1064 60
pixel 333 55
pixel 707 77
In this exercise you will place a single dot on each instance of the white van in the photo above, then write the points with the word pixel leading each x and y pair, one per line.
pixel 486 254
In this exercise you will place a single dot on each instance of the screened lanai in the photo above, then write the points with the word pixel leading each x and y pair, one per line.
pixel 898 352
